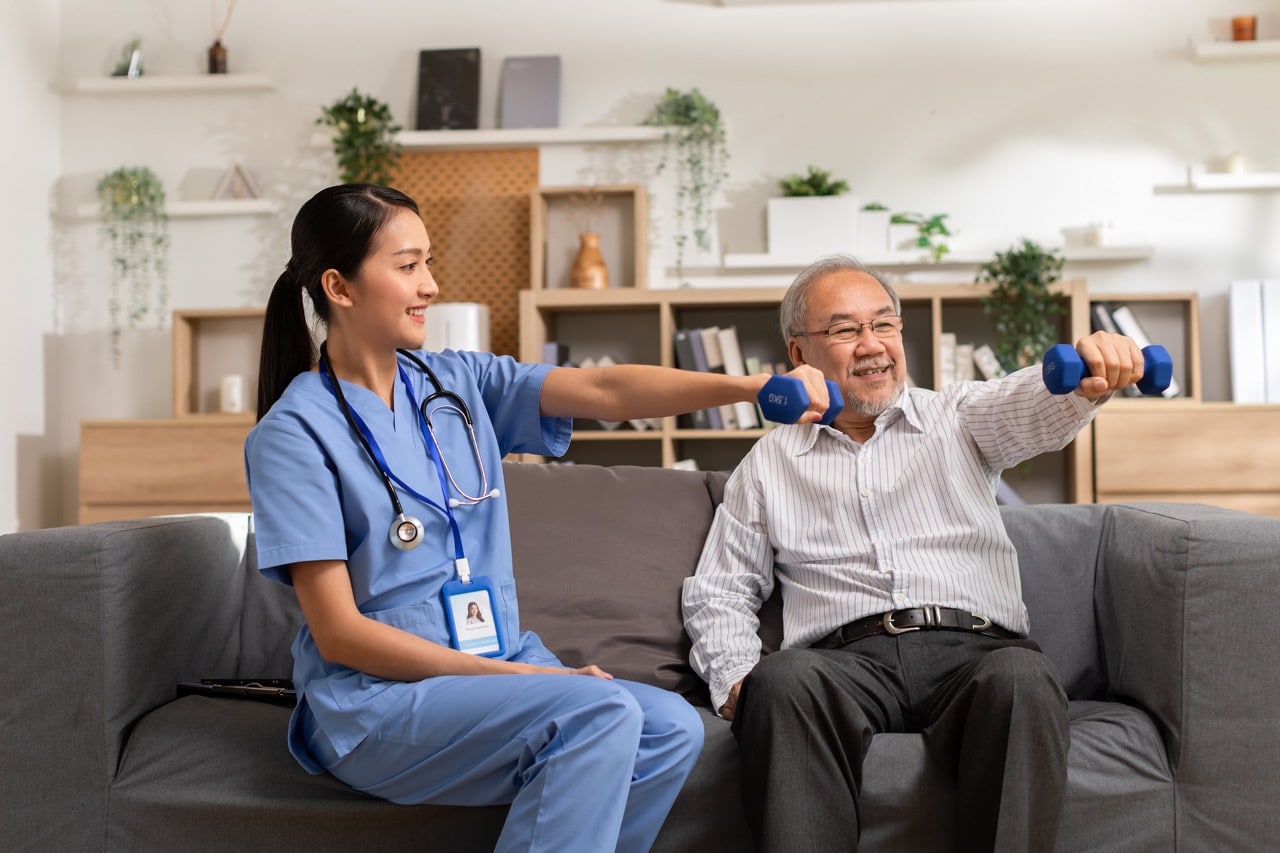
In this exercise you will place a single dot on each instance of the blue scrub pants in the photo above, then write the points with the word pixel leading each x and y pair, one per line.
pixel 586 764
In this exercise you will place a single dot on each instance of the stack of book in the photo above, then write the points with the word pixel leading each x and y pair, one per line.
pixel 959 362
pixel 714 349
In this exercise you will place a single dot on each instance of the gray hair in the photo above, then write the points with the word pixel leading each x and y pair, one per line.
pixel 794 304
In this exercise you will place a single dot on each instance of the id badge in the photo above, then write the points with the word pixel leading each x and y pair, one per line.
pixel 473 617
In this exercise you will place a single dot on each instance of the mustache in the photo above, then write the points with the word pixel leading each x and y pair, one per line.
pixel 872 363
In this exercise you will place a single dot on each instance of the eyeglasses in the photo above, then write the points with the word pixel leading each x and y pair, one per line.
pixel 848 330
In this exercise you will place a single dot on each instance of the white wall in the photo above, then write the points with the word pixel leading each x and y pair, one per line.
pixel 29 152
pixel 1016 117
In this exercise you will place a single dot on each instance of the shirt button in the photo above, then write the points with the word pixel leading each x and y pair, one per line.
pixel 866 493
pixel 899 598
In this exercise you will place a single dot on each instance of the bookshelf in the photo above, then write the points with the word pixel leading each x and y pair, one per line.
pixel 639 325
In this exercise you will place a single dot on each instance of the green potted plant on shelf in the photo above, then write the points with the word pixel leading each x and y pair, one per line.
pixel 695 132
pixel 1021 304
pixel 135 228
pixel 363 137
pixel 816 182
pixel 930 232
pixel 813 216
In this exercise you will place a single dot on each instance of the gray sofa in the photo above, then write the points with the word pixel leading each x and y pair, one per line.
pixel 1163 620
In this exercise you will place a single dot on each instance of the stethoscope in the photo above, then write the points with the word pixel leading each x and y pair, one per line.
pixel 406 531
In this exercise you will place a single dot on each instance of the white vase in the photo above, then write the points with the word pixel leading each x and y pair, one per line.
pixel 807 227
pixel 873 233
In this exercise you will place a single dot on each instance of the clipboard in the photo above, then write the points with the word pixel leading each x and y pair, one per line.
pixel 277 691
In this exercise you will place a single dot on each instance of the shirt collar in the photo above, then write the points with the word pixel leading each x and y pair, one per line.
pixel 904 407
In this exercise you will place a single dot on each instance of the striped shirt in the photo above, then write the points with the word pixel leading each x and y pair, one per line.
pixel 907 519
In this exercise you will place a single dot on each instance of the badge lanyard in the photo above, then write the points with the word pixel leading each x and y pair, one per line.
pixel 481 638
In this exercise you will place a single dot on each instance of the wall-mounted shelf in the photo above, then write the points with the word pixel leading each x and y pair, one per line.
pixel 532 137
pixel 200 208
pixel 154 84
pixel 1224 182
pixel 913 260
pixel 1230 51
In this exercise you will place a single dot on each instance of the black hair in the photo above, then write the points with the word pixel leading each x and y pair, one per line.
pixel 335 229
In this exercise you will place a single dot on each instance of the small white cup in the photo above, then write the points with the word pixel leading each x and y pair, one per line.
pixel 232 398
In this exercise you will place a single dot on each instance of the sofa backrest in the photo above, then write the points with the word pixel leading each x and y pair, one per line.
pixel 601 554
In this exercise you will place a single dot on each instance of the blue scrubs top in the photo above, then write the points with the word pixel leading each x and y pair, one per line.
pixel 317 496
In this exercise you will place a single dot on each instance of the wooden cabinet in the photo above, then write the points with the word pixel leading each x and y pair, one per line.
pixel 139 468
pixel 639 326
pixel 194 461
pixel 1174 450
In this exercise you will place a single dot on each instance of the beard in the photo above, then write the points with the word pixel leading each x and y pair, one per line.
pixel 874 408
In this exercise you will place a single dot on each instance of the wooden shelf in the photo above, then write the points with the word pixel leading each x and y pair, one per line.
pixel 209 344
pixel 621 218
pixel 639 326
pixel 533 137
pixel 193 209
pixel 181 84
pixel 1233 51
pixel 913 260
pixel 1173 321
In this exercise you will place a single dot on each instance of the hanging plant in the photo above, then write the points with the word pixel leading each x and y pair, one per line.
pixel 135 228
pixel 1020 305
pixel 363 138
pixel 694 130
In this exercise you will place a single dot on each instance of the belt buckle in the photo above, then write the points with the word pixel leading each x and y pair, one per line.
pixel 891 629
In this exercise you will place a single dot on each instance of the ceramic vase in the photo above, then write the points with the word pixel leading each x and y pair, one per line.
pixel 589 270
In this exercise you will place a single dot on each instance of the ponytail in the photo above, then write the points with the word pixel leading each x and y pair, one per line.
pixel 286 341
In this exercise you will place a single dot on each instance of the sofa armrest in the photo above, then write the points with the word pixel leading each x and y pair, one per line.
pixel 1188 601
pixel 98 623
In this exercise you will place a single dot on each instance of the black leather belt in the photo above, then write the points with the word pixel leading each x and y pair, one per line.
pixel 915 619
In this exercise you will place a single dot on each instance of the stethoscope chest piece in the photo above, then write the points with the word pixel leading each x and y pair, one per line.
pixel 406 532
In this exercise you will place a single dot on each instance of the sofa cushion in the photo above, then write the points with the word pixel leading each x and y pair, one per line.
pixel 1119 788
pixel 1057 556
pixel 609 594
pixel 215 774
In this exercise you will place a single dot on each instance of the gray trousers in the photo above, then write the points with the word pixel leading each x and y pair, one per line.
pixel 991 711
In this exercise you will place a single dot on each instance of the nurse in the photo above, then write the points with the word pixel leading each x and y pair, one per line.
pixel 376 481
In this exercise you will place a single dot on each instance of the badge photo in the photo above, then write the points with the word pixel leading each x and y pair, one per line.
pixel 473 617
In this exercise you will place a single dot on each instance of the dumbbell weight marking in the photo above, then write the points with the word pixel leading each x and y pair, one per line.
pixel 1063 369
pixel 783 400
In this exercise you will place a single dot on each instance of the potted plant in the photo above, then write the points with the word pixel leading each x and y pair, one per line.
pixel 696 133
pixel 135 228
pixel 363 138
pixel 1021 306
pixel 812 217
pixel 929 235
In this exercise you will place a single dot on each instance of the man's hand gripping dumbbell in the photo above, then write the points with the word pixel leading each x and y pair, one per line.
pixel 1104 362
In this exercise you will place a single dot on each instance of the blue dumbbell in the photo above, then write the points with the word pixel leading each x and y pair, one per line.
pixel 1063 369
pixel 783 400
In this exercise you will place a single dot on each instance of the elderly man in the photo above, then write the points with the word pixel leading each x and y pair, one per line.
pixel 903 608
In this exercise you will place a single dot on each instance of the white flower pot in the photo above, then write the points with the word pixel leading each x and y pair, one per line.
pixel 873 233
pixel 809 227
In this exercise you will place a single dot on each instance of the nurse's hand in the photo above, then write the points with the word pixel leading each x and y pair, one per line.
pixel 592 670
